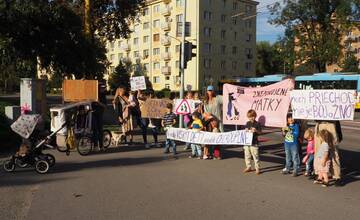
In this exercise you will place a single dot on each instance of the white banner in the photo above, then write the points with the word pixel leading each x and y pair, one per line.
pixel 240 137
pixel 137 83
pixel 185 106
pixel 323 104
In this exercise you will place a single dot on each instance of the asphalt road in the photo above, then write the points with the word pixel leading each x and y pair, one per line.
pixel 130 182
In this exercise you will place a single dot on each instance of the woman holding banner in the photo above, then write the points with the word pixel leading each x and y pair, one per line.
pixel 213 105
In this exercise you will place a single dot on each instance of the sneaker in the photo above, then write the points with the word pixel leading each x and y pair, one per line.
pixel 205 157
pixel 306 174
pixel 285 171
pixel 191 156
pixel 318 182
pixel 199 158
pixel 325 184
pixel 247 170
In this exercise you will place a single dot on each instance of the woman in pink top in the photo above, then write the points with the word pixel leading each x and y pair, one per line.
pixel 309 136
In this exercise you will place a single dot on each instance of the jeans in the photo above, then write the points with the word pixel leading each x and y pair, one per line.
pixel 310 164
pixel 196 150
pixel 292 157
pixel 144 123
pixel 169 142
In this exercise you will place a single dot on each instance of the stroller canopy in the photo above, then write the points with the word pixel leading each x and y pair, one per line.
pixel 25 125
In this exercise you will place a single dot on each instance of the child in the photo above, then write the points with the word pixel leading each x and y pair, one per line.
pixel 322 159
pixel 215 128
pixel 168 121
pixel 252 151
pixel 309 136
pixel 196 125
pixel 291 133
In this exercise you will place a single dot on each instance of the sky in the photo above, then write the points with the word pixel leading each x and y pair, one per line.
pixel 266 31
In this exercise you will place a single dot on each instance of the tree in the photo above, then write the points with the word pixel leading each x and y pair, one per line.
pixel 286 48
pixel 350 64
pixel 317 27
pixel 268 59
pixel 120 76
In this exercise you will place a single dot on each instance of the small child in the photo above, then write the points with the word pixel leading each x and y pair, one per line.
pixel 291 134
pixel 168 121
pixel 252 151
pixel 196 125
pixel 216 149
pixel 309 136
pixel 322 160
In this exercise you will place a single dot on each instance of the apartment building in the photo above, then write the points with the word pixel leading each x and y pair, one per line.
pixel 225 44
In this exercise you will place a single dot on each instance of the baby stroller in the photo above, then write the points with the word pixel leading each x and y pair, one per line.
pixel 30 152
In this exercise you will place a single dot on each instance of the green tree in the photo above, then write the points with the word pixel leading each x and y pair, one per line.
pixel 286 51
pixel 268 59
pixel 350 64
pixel 120 76
pixel 317 27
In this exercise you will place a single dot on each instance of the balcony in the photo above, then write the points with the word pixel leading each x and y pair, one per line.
pixel 166 26
pixel 166 11
pixel 126 47
pixel 166 70
pixel 249 56
pixel 166 41
pixel 166 56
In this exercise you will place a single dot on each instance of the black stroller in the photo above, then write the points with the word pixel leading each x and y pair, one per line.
pixel 34 142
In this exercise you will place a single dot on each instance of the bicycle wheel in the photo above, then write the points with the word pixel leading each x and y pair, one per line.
pixel 84 146
pixel 9 166
pixel 107 137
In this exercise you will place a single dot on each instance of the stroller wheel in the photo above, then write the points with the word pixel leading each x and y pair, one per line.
pixel 9 166
pixel 42 166
pixel 51 159
pixel 106 138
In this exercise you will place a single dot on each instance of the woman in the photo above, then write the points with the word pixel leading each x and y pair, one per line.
pixel 213 106
pixel 123 107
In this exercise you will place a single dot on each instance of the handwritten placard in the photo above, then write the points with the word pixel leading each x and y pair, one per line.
pixel 137 83
pixel 239 137
pixel 154 108
pixel 323 104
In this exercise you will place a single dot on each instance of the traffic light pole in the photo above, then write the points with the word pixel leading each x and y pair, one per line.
pixel 182 69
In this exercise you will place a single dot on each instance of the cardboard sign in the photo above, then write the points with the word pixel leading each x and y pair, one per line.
pixel 80 90
pixel 137 83
pixel 271 103
pixel 154 108
pixel 185 106
pixel 323 104
pixel 240 137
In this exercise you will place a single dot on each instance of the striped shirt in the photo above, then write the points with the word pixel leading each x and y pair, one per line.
pixel 168 119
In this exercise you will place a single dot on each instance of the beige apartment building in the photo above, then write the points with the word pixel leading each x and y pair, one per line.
pixel 225 44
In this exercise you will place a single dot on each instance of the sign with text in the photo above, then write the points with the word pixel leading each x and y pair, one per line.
pixel 323 104
pixel 154 108
pixel 185 106
pixel 137 83
pixel 239 137
pixel 271 103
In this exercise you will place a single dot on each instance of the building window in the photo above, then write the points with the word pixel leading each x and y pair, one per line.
pixel 146 67
pixel 223 49
pixel 224 3
pixel 234 50
pixel 137 28
pixel 146 25
pixel 223 18
pixel 156 8
pixel 156 51
pixel 136 41
pixel 235 5
pixel 248 66
pixel 145 53
pixel 223 64
pixel 177 64
pixel 136 54
pixel 248 9
pixel 167 78
pixel 146 39
pixel 156 37
pixel 156 66
pixel 234 20
pixel 177 48
pixel 179 3
pixel 177 79
pixel 248 37
pixel 112 57
pixel 234 65
pixel 112 44
pixel 207 15
pixel 156 79
pixel 207 31
pixel 248 53
pixel 119 44
pixel 167 86
pixel 120 56
pixel 207 63
pixel 146 11
pixel 223 33
pixel 248 23
pixel 235 35
pixel 179 18
pixel 208 2
pixel 207 47
pixel 156 23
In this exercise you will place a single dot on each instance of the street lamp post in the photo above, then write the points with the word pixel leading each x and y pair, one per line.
pixel 182 69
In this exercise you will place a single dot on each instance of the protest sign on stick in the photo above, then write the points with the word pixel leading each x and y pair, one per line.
pixel 154 108
pixel 137 83
pixel 323 104
pixel 185 106
pixel 271 103
pixel 239 137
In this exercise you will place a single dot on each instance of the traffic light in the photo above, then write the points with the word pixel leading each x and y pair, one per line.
pixel 188 53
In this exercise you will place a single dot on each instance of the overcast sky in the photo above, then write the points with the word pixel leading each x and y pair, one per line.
pixel 266 31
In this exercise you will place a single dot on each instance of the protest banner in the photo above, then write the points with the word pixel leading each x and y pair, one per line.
pixel 239 137
pixel 323 104
pixel 271 103
pixel 185 106
pixel 154 108
pixel 137 83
